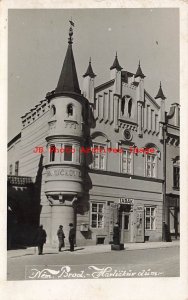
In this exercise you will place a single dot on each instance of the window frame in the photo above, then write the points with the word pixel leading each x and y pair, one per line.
pixel 97 145
pixel 64 153
pixel 97 213
pixel 16 170
pixel 125 149
pixel 150 216
pixel 68 106
pixel 176 166
pixel 146 164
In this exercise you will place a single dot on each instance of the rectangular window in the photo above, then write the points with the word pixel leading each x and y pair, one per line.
pixel 97 215
pixel 99 157
pixel 68 153
pixel 126 162
pixel 10 170
pixel 150 218
pixel 176 177
pixel 16 168
pixel 151 165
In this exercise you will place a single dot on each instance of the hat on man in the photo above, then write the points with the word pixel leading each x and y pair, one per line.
pixel 60 226
pixel 70 224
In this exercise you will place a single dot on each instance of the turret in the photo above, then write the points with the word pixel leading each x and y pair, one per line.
pixel 115 73
pixel 67 125
pixel 88 83
pixel 139 77
pixel 160 96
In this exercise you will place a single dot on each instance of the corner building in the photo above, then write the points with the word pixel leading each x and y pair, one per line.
pixel 96 190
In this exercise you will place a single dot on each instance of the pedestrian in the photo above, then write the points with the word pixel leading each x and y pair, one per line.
pixel 116 234
pixel 41 239
pixel 61 237
pixel 71 237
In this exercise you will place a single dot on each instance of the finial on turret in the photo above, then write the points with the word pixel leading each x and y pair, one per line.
pixel 70 39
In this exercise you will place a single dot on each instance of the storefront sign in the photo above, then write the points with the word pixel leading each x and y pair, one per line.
pixel 126 201
pixel 64 172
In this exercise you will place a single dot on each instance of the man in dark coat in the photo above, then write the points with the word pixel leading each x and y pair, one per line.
pixel 116 234
pixel 41 239
pixel 71 237
pixel 61 237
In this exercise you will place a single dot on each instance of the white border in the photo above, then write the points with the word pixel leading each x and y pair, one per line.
pixel 158 288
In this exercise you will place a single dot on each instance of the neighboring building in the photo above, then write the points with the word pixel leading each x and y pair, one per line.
pixel 97 189
pixel 173 170
pixel 14 155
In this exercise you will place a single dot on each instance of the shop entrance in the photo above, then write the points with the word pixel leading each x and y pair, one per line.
pixel 125 223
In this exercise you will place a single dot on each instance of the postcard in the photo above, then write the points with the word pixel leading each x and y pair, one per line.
pixel 95 95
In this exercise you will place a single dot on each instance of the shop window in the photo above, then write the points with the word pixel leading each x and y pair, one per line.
pixel 126 161
pixel 151 165
pixel 97 215
pixel 10 169
pixel 70 110
pixel 68 153
pixel 99 157
pixel 150 213
pixel 176 177
pixel 52 152
pixel 16 168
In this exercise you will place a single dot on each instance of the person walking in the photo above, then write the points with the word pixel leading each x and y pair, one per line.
pixel 71 237
pixel 41 239
pixel 61 237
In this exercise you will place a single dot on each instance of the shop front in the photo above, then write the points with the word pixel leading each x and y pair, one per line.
pixel 130 218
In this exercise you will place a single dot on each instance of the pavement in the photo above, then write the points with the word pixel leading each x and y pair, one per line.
pixel 92 249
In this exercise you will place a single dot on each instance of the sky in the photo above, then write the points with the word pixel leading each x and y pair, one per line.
pixel 38 39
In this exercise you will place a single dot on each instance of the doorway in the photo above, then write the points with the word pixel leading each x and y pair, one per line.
pixel 125 223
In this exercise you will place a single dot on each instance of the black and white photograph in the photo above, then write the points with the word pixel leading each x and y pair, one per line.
pixel 93 145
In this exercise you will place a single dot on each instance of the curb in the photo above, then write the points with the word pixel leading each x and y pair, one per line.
pixel 30 251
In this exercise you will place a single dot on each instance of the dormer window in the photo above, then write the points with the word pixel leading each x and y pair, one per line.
pixel 70 110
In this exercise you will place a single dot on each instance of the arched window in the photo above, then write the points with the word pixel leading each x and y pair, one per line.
pixel 53 110
pixel 129 107
pixel 70 110
pixel 123 105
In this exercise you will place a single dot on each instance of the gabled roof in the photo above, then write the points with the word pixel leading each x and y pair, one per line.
pixel 151 99
pixel 14 139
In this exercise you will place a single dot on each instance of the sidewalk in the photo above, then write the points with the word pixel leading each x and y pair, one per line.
pixel 92 249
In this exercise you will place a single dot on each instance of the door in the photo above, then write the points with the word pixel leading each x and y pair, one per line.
pixel 139 224
pixel 125 226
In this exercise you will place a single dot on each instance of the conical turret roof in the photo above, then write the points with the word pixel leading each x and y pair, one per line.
pixel 160 93
pixel 139 72
pixel 89 71
pixel 68 80
pixel 116 64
